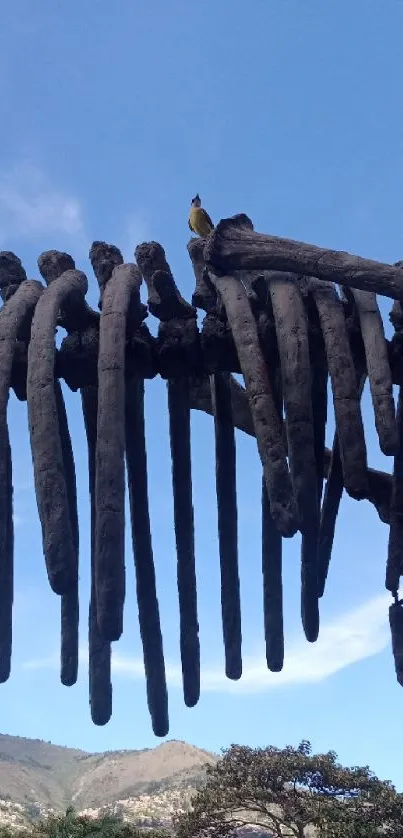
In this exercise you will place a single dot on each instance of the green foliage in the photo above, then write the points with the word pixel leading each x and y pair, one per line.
pixel 288 792
pixel 72 825
pixel 7 832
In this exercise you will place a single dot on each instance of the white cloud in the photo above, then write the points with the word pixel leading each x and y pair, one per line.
pixel 30 206
pixel 349 638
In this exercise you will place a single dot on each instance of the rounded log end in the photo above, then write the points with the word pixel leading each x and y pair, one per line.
pixel 68 677
pixel 100 719
pixel 233 670
pixel 104 258
pixel 191 693
pixel 5 666
pixel 150 257
pixel 321 588
pixel 235 223
pixel 275 665
pixel 12 274
pixel 161 727
pixel 285 518
pixel 54 263
pixel 99 671
pixel 227 229
pixel 311 627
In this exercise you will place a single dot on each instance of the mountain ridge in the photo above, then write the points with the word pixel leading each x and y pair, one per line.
pixel 34 772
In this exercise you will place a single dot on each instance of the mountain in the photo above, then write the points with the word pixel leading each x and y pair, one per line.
pixel 148 785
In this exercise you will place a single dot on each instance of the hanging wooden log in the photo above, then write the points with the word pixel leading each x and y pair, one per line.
pixel 225 457
pixel 50 479
pixel 233 246
pixel 178 338
pixel 74 314
pixel 335 483
pixel 261 305
pixel 394 567
pixel 16 315
pixel 259 390
pixel 319 382
pixel 104 258
pixel 272 587
pixel 69 601
pixel 110 471
pixel 379 372
pixel 6 570
pixel 292 336
pixel 331 504
pixel 379 482
pixel 219 350
pixel 343 378
pixel 149 619
pixel 330 510
pixel 53 264
pixel 99 650
pixel 217 344
pixel 396 627
pixel 179 434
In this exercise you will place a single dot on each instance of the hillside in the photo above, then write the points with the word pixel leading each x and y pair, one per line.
pixel 150 782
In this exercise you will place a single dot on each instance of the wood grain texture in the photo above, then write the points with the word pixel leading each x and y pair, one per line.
pixel 110 451
pixel 292 339
pixel 394 566
pixel 349 424
pixel 179 435
pixel 147 601
pixel 99 650
pixel 69 601
pixel 272 587
pixel 47 455
pixel 15 314
pixel 378 368
pixel 234 246
pixel 267 426
pixel 396 628
pixel 225 458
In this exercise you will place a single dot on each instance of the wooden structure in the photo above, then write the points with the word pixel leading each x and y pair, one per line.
pixel 286 315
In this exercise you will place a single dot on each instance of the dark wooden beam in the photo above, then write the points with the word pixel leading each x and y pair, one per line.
pixel 235 246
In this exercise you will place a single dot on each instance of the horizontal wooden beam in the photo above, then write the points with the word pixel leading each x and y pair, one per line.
pixel 235 246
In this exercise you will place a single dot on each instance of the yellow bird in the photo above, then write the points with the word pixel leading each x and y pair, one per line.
pixel 199 220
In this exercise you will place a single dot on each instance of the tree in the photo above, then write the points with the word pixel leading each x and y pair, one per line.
pixel 291 792
pixel 72 825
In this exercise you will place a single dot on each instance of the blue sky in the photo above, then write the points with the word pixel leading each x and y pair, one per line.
pixel 113 117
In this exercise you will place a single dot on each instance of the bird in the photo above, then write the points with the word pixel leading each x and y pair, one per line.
pixel 199 220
